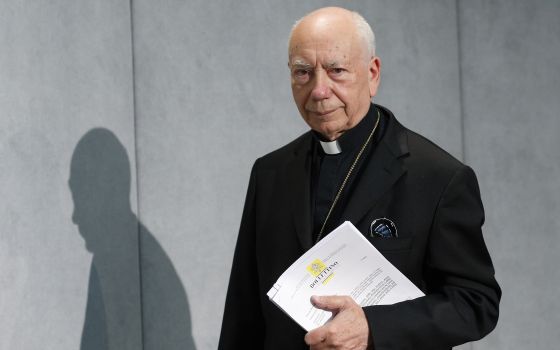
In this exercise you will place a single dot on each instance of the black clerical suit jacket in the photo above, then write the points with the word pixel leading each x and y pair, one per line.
pixel 434 201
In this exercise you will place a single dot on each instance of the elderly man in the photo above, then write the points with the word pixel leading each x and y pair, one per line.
pixel 359 164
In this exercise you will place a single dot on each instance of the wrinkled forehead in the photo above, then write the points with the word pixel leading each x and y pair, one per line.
pixel 325 48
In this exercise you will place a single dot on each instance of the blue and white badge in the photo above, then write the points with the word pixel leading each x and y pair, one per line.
pixel 383 228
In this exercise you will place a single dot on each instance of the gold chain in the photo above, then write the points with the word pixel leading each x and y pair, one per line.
pixel 347 177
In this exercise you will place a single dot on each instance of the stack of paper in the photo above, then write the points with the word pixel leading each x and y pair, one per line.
pixel 342 263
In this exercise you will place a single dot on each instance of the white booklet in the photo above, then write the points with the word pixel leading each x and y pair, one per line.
pixel 342 263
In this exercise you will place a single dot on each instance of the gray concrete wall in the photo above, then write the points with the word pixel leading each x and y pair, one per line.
pixel 511 92
pixel 184 95
pixel 68 255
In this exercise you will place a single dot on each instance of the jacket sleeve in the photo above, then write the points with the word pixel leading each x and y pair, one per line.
pixel 462 295
pixel 243 323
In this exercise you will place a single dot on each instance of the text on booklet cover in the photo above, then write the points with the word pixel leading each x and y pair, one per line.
pixel 342 263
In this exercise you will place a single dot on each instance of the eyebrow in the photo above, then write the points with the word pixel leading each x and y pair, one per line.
pixel 332 64
pixel 299 64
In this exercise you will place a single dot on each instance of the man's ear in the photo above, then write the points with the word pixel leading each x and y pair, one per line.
pixel 374 75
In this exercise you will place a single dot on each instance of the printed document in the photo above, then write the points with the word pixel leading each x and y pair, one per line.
pixel 342 263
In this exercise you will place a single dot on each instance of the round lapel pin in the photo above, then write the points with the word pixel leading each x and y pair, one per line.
pixel 383 228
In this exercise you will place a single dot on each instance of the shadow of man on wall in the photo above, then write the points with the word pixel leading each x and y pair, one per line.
pixel 135 297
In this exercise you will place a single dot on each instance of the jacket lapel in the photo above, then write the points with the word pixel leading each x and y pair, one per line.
pixel 383 169
pixel 299 181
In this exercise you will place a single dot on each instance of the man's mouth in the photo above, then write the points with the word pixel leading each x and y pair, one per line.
pixel 323 113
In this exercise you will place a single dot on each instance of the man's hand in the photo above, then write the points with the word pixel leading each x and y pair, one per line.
pixel 348 329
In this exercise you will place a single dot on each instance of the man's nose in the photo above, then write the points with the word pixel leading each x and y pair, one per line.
pixel 321 88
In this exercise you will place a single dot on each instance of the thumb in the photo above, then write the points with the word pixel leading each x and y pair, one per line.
pixel 332 303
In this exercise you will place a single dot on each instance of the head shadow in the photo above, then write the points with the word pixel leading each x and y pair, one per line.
pixel 135 296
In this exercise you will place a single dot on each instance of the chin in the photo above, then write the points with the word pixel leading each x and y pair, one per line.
pixel 88 248
pixel 331 132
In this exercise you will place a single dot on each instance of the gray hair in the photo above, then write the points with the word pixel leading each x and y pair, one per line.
pixel 363 29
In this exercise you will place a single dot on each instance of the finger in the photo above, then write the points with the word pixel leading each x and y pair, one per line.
pixel 316 336
pixel 330 303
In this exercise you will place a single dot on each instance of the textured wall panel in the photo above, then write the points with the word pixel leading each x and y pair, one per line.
pixel 417 43
pixel 65 68
pixel 511 87
pixel 213 94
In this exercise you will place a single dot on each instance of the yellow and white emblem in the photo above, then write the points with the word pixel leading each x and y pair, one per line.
pixel 316 267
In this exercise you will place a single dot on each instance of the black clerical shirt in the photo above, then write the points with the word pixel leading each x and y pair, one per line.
pixel 330 170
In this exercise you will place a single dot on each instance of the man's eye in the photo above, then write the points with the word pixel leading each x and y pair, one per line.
pixel 300 72
pixel 336 71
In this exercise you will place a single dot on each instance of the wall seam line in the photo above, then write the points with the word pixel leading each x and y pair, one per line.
pixel 461 84
pixel 138 228
pixel 461 91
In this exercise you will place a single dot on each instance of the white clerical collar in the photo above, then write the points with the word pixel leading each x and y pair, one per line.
pixel 331 147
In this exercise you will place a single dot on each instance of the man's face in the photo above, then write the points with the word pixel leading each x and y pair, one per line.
pixel 332 77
